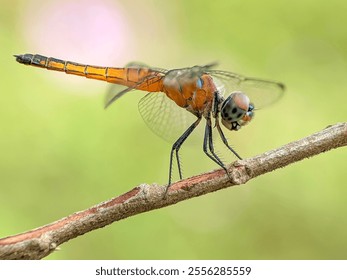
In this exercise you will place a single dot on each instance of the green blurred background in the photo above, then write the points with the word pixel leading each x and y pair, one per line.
pixel 60 152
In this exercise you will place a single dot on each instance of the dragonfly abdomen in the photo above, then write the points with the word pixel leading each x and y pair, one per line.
pixel 129 77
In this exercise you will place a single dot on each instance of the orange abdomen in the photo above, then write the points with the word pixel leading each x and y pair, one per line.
pixel 130 77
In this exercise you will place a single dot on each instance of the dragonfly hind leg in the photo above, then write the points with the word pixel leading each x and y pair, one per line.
pixel 175 149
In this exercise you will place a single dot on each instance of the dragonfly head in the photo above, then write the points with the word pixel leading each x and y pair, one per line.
pixel 236 111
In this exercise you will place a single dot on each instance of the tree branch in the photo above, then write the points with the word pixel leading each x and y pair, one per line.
pixel 40 242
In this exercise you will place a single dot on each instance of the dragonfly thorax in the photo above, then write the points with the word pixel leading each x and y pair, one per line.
pixel 190 89
pixel 236 111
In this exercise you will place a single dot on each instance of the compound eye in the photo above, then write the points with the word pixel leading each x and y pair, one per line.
pixel 236 111
pixel 235 107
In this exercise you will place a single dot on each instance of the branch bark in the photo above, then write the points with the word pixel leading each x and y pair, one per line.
pixel 40 242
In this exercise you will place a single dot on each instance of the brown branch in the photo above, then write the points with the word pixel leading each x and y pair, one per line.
pixel 40 242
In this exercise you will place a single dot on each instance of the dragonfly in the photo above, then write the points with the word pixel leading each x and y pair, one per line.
pixel 219 97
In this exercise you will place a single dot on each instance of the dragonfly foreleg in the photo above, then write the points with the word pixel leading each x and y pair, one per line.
pixel 217 100
pixel 225 141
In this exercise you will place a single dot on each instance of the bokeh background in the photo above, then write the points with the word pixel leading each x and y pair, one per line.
pixel 61 152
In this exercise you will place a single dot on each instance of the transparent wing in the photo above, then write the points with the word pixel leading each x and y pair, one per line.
pixel 261 92
pixel 116 91
pixel 164 117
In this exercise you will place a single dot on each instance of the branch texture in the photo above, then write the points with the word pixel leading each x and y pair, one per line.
pixel 40 242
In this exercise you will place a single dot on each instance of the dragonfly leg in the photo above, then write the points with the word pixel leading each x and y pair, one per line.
pixel 175 148
pixel 225 141
pixel 215 111
pixel 208 142
pixel 179 164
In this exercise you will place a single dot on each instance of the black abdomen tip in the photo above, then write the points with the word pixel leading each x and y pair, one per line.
pixel 24 58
